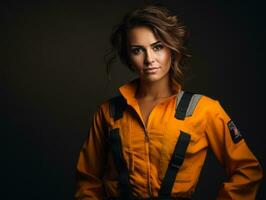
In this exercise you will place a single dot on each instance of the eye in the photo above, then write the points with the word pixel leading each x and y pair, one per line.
pixel 157 47
pixel 136 50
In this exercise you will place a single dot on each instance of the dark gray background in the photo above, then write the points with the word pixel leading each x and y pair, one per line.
pixel 53 78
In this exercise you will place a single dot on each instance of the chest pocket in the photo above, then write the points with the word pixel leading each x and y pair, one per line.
pixel 197 143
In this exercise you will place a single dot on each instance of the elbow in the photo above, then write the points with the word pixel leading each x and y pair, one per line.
pixel 254 173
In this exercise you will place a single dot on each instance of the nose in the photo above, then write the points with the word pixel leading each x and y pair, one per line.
pixel 149 57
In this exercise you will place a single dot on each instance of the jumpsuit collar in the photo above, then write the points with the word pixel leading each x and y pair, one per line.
pixel 129 89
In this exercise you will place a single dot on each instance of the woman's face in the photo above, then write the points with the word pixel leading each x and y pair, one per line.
pixel 148 56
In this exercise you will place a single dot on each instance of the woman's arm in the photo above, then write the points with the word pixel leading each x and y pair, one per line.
pixel 91 162
pixel 242 167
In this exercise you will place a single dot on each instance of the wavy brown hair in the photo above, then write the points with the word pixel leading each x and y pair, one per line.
pixel 165 26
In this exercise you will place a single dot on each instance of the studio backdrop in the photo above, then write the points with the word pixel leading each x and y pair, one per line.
pixel 53 78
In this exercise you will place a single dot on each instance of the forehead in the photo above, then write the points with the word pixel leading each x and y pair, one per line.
pixel 141 35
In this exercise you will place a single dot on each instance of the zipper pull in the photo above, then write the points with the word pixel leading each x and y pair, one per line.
pixel 147 139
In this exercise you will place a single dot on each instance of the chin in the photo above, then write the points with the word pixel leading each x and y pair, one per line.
pixel 152 78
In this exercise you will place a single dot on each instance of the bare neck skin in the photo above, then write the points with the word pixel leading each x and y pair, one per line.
pixel 153 91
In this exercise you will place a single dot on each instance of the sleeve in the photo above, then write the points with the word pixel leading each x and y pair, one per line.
pixel 242 167
pixel 91 162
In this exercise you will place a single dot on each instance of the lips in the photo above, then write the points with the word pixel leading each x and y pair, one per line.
pixel 151 70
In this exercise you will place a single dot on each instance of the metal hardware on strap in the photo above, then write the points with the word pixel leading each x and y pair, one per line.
pixel 174 164
pixel 123 175
pixel 117 106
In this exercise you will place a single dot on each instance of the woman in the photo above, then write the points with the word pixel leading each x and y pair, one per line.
pixel 150 142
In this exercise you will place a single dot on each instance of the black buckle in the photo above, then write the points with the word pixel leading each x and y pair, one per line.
pixel 177 161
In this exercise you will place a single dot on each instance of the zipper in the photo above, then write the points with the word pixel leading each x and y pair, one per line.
pixel 147 142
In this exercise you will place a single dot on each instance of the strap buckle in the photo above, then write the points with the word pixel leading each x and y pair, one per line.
pixel 177 161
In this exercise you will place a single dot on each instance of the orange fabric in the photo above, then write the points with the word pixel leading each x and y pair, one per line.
pixel 147 157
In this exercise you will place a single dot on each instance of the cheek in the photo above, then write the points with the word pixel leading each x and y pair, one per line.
pixel 165 58
pixel 136 61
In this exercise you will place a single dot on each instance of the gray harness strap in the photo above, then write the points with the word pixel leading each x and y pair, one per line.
pixel 186 103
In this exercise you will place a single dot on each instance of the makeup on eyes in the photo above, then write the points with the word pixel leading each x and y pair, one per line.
pixel 136 49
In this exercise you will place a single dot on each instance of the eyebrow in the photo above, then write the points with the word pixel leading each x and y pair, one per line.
pixel 135 45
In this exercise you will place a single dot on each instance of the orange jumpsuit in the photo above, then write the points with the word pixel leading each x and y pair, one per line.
pixel 147 150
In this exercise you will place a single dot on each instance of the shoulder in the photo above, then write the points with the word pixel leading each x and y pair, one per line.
pixel 212 108
pixel 205 104
pixel 103 107
pixel 208 102
pixel 198 100
pixel 109 106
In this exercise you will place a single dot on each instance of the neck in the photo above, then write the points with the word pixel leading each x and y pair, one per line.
pixel 154 90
